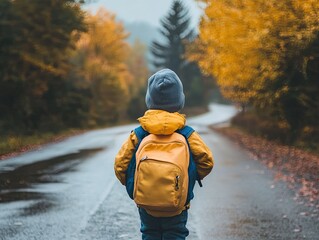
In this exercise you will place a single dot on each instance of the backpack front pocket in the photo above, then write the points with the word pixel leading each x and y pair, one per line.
pixel 158 185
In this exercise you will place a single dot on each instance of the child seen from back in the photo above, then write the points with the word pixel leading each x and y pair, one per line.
pixel 164 98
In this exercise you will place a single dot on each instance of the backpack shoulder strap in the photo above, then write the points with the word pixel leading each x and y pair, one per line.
pixel 130 172
pixel 140 133
pixel 186 131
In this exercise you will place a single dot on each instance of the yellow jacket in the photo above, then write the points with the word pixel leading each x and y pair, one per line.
pixel 164 123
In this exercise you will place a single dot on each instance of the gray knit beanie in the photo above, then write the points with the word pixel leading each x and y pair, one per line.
pixel 165 91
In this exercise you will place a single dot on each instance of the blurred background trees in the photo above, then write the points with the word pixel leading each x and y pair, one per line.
pixel 138 66
pixel 62 67
pixel 35 40
pixel 264 54
pixel 172 53
pixel 100 63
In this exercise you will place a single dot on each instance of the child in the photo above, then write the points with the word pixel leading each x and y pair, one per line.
pixel 164 98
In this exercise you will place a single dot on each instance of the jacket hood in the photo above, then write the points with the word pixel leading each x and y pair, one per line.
pixel 161 122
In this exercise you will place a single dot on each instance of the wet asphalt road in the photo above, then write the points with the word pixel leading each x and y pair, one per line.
pixel 68 191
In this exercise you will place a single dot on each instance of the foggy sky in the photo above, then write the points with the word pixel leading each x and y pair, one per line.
pixel 149 11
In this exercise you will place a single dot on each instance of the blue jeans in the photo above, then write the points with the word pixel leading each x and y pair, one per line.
pixel 163 228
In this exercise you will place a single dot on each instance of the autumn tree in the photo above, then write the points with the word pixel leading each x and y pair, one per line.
pixel 138 69
pixel 263 53
pixel 100 57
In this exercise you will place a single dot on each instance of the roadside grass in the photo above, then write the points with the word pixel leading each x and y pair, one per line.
pixel 11 145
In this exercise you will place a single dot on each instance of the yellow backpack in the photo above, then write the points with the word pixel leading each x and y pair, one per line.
pixel 161 174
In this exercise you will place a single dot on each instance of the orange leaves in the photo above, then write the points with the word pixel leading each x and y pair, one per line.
pixel 101 57
pixel 246 42
pixel 107 36
pixel 104 48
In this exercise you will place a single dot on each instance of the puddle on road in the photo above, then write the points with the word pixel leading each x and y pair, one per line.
pixel 16 184
pixel 38 207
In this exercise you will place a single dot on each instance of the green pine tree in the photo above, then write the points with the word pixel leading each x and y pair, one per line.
pixel 171 53
pixel 176 32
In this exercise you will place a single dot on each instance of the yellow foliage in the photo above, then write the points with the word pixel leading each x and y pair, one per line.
pixel 137 66
pixel 105 48
pixel 101 56
pixel 244 42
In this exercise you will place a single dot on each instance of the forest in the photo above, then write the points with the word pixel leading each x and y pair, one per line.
pixel 64 68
